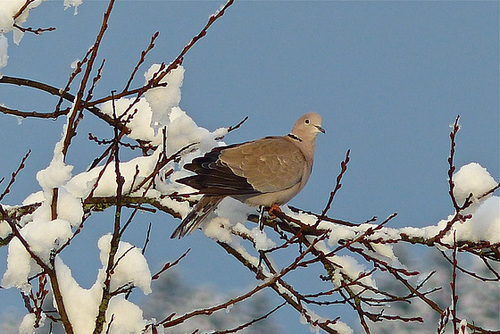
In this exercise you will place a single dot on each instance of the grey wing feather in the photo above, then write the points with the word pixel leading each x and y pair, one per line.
pixel 197 215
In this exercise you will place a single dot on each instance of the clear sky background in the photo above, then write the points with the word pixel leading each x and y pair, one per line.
pixel 388 78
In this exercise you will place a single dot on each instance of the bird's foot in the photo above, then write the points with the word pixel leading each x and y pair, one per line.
pixel 274 211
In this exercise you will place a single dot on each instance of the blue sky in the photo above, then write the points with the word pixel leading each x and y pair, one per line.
pixel 387 77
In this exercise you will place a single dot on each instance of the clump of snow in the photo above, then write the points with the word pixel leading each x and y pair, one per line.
pixel 69 207
pixel 234 210
pixel 262 242
pixel 19 267
pixel 183 131
pixel 347 265
pixel 82 305
pixel 341 327
pixel 4 229
pixel 259 237
pixel 35 197
pixel 74 64
pixel 27 326
pixel 339 232
pixel 82 184
pixel 57 173
pixel 163 99
pixel 385 250
pixel 7 12
pixel 132 267
pixel 140 123
pixel 484 224
pixel 462 329
pixel 160 109
pixel 42 237
pixel 218 229
pixel 304 217
pixel 231 216
pixel 4 57
pixel 472 179
pixel 127 317
pixel 72 3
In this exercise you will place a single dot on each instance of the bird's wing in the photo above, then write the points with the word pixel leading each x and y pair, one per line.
pixel 265 165
pixel 269 164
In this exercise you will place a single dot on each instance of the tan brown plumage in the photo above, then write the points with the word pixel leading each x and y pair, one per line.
pixel 263 172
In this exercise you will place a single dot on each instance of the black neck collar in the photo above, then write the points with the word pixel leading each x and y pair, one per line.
pixel 291 135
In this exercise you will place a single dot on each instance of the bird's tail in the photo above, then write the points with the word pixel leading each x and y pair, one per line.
pixel 195 218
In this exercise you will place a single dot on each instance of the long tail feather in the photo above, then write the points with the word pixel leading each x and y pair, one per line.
pixel 198 214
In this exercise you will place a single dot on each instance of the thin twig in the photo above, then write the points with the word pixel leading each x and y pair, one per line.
pixel 338 185
pixel 14 175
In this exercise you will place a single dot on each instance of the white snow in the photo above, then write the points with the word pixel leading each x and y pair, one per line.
pixel 127 317
pixel 132 267
pixel 69 207
pixel 72 3
pixel 140 124
pixel 339 232
pixel 234 210
pixel 82 184
pixel 484 224
pixel 43 237
pixel 163 99
pixel 82 304
pixel 349 266
pixel 183 131
pixel 341 327
pixel 4 57
pixel 462 329
pixel 27 325
pixel 262 242
pixel 218 229
pixel 8 10
pixel 4 229
pixel 472 179
pixel 57 173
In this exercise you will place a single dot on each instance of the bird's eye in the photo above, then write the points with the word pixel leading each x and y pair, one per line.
pixel 307 121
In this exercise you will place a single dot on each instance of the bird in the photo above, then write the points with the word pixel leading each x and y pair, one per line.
pixel 266 172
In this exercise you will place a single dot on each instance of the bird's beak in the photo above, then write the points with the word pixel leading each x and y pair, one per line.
pixel 320 129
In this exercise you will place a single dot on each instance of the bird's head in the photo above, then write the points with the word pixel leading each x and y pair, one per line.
pixel 307 127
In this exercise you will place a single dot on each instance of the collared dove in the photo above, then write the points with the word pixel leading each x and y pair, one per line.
pixel 264 172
